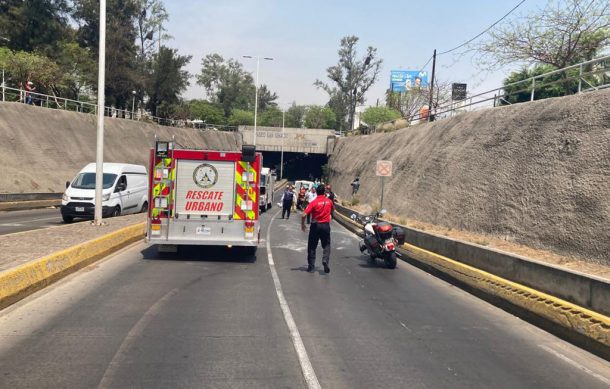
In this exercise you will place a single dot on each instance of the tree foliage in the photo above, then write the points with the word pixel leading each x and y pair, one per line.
pixel 226 83
pixel 319 117
pixel 206 111
pixel 563 33
pixel 271 117
pixel 167 79
pixel 241 117
pixel 374 116
pixel 295 116
pixel 350 78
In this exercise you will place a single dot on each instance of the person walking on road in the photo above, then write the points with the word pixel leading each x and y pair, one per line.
pixel 286 200
pixel 309 198
pixel 320 209
pixel 355 186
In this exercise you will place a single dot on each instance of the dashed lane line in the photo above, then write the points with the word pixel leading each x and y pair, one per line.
pixel 308 373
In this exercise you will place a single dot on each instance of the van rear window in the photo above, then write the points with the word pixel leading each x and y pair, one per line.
pixel 87 181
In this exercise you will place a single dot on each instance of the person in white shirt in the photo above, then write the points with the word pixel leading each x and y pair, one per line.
pixel 309 197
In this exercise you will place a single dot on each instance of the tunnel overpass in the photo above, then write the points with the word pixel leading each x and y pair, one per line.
pixel 292 140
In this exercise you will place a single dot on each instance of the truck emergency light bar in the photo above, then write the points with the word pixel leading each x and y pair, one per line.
pixel 248 153
pixel 162 148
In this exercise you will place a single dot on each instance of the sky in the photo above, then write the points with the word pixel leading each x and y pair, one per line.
pixel 303 38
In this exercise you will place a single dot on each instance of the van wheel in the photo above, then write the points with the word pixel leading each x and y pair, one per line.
pixel 116 212
pixel 144 207
pixel 68 219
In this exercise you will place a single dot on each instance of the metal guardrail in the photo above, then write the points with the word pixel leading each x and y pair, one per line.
pixel 584 74
pixel 10 94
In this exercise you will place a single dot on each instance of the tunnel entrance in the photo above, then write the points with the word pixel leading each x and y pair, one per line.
pixel 297 166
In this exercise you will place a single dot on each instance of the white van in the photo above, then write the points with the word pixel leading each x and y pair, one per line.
pixel 125 190
pixel 267 186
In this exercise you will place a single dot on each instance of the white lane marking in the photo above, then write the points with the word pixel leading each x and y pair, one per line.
pixel 308 373
pixel 575 364
pixel 11 225
pixel 135 332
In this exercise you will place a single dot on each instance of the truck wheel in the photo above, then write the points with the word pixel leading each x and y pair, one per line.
pixel 390 259
pixel 116 212
pixel 68 219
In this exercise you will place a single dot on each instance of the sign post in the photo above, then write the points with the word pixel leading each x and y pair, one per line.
pixel 384 169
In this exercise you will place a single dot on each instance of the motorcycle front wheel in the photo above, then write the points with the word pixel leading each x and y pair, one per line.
pixel 390 259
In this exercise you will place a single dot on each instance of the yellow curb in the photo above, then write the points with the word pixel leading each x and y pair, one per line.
pixel 19 282
pixel 17 205
pixel 575 318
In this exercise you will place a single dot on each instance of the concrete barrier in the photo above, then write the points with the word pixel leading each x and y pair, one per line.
pixel 589 328
pixel 15 197
pixel 21 205
pixel 19 282
pixel 581 289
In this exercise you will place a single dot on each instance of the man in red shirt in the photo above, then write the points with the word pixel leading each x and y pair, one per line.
pixel 320 210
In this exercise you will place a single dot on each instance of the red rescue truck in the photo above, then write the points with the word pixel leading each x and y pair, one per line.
pixel 203 197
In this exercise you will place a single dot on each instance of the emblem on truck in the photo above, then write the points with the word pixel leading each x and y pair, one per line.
pixel 205 176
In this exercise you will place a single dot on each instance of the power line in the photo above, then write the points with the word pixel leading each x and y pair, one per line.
pixel 488 28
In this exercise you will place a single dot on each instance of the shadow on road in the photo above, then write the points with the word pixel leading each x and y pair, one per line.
pixel 201 253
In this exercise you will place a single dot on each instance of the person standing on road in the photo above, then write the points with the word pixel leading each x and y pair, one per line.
pixel 320 209
pixel 309 198
pixel 330 194
pixel 286 200
pixel 355 186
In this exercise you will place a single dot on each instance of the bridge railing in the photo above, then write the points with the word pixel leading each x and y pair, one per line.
pixel 580 78
pixel 10 94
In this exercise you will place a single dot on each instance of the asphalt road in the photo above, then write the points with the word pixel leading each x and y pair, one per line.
pixel 33 219
pixel 213 319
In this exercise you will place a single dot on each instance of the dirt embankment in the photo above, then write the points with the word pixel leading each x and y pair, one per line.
pixel 43 148
pixel 537 174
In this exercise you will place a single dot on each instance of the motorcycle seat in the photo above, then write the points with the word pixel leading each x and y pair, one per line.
pixel 382 227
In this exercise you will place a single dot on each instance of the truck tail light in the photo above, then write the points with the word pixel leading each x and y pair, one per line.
pixel 249 228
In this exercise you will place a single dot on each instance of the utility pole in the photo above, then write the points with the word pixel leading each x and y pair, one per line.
pixel 432 86
pixel 99 157
pixel 282 155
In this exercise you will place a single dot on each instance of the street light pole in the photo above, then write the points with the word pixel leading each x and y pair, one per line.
pixel 99 157
pixel 282 155
pixel 133 103
pixel 258 59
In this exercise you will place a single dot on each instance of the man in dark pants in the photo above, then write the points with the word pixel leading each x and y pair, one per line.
pixel 320 209
pixel 287 198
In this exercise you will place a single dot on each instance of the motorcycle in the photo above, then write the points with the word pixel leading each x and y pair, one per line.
pixel 380 238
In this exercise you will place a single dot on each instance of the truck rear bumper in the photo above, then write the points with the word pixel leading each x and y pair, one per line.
pixel 200 242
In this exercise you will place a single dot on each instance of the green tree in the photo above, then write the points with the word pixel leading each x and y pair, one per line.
pixel 149 24
pixel 34 25
pixel 78 69
pixel 206 111
pixel 241 117
pixel 374 116
pixel 351 78
pixel 227 83
pixel 295 116
pixel 319 117
pixel 122 73
pixel 167 80
pixel 548 86
pixel 563 33
pixel 271 117
pixel 21 67
pixel 266 98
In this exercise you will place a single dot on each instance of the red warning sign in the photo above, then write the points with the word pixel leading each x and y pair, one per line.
pixel 384 168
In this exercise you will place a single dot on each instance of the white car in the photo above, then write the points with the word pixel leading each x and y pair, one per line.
pixel 125 190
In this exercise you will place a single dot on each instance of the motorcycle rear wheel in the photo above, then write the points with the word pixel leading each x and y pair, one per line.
pixel 390 259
